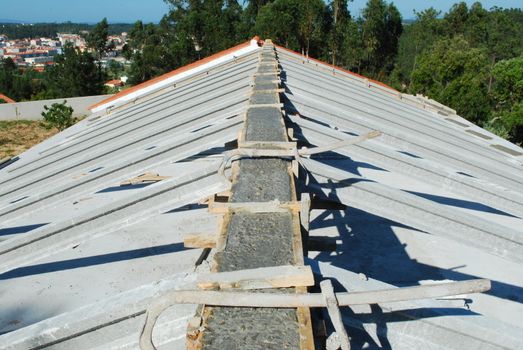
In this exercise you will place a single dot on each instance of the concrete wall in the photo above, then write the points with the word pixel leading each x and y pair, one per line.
pixel 32 110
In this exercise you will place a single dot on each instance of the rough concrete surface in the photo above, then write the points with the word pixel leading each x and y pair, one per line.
pixel 266 86
pixel 251 328
pixel 266 69
pixel 262 79
pixel 262 180
pixel 254 240
pixel 264 98
pixel 264 124
pixel 257 240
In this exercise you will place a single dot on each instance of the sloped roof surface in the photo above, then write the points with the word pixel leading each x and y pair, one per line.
pixel 431 199
pixel 434 198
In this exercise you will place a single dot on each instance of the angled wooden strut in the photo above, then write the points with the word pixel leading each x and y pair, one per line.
pixel 146 177
pixel 335 315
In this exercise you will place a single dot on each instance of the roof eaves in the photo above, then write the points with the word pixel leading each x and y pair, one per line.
pixel 175 75
pixel 339 69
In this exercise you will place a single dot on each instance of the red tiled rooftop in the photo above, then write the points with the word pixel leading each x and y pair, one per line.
pixel 6 99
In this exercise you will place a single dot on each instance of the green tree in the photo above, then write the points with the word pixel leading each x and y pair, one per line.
pixel 212 25
pixel 155 50
pixel 455 74
pixel 352 49
pixel 8 72
pixel 503 39
pixel 476 30
pixel 456 19
pixel 114 69
pixel 74 73
pixel 252 10
pixel 381 29
pixel 298 25
pixel 507 93
pixel 191 30
pixel 97 38
pixel 59 115
pixel 14 83
pixel 339 13
pixel 416 38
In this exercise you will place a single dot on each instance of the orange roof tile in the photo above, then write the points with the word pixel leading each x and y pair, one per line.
pixel 114 82
pixel 173 73
pixel 6 99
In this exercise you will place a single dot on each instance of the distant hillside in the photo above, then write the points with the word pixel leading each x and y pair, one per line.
pixel 3 20
pixel 34 30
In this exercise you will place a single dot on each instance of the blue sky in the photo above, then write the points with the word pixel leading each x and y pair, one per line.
pixel 152 10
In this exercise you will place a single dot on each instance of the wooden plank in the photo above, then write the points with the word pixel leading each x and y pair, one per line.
pixel 305 210
pixel 267 91
pixel 303 313
pixel 259 278
pixel 267 144
pixel 200 240
pixel 253 207
pixel 147 177
pixel 301 300
pixel 305 330
pixel 330 147
pixel 276 72
pixel 265 105
pixel 334 313
pixel 295 300
pixel 221 240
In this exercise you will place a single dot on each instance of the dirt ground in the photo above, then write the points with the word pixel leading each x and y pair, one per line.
pixel 16 136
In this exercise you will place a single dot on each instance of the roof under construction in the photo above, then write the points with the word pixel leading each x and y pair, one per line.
pixel 209 203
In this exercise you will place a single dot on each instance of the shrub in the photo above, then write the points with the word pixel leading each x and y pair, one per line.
pixel 59 115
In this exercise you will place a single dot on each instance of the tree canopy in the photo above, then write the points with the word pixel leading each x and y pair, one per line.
pixel 454 74
pixel 74 73
pixel 97 38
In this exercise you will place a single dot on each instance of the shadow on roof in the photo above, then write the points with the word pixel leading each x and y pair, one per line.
pixel 370 246
pixel 204 154
pixel 92 261
pixel 19 229
pixel 369 243
pixel 125 188
pixel 339 161
pixel 461 203
pixel 410 154
pixel 187 207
